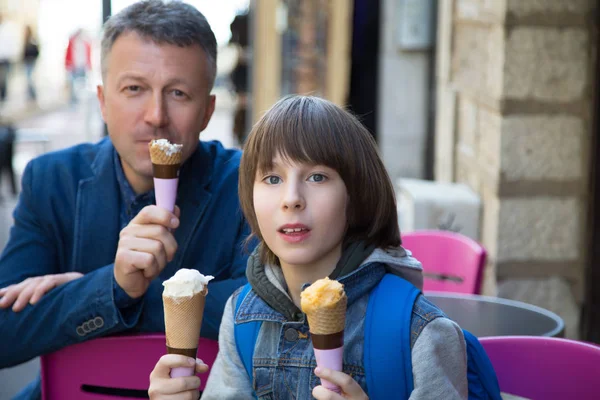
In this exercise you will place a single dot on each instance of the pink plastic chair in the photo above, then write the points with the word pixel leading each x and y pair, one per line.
pixel 109 368
pixel 451 262
pixel 545 368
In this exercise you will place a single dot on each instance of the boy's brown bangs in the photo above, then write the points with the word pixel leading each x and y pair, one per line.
pixel 311 140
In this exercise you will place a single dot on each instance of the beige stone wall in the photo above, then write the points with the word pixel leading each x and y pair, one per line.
pixel 515 80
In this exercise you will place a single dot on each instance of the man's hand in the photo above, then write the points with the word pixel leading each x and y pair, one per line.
pixel 350 388
pixel 146 245
pixel 162 386
pixel 31 290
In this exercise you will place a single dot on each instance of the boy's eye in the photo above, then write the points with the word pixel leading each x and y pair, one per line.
pixel 317 178
pixel 272 180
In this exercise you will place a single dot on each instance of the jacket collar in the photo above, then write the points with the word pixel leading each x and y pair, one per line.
pixel 260 307
pixel 269 301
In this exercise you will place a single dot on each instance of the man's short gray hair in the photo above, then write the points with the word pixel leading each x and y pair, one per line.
pixel 163 21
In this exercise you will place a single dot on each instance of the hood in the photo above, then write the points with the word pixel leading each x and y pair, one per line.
pixel 399 261
pixel 269 284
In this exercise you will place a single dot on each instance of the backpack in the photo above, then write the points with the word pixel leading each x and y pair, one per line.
pixel 382 333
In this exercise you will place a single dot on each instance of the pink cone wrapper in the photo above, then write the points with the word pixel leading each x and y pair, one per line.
pixel 165 191
pixel 331 359
pixel 182 371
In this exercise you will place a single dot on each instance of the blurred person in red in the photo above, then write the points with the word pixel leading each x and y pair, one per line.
pixel 78 61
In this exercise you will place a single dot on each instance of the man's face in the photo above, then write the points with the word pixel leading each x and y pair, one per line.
pixel 153 91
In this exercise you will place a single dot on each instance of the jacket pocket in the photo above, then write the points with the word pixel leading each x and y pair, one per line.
pixel 263 383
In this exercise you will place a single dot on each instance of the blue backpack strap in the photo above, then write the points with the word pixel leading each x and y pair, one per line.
pixel 245 334
pixel 483 383
pixel 387 328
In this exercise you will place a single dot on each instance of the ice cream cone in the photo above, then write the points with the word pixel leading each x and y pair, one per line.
pixel 328 320
pixel 166 160
pixel 184 307
pixel 325 308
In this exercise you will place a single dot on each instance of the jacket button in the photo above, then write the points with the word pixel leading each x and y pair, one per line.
pixel 99 322
pixel 80 331
pixel 291 335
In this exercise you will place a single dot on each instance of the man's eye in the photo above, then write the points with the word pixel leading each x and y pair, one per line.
pixel 133 88
pixel 317 178
pixel 272 180
pixel 179 93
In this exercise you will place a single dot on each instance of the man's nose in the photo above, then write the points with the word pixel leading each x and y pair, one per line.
pixel 293 197
pixel 156 111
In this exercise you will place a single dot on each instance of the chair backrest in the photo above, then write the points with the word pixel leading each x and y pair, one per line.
pixel 545 368
pixel 451 262
pixel 114 367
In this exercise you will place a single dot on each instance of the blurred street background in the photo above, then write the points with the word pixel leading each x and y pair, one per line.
pixel 485 113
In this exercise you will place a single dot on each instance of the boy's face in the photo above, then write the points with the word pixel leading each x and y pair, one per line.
pixel 301 213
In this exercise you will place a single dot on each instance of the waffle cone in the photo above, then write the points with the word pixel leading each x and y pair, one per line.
pixel 157 156
pixel 325 321
pixel 183 318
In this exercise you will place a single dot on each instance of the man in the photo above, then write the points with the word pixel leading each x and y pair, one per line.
pixel 88 252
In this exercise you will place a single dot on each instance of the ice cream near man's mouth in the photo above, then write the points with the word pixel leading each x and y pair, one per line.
pixel 166 160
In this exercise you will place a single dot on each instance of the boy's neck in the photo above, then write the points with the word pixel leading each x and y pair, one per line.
pixel 297 275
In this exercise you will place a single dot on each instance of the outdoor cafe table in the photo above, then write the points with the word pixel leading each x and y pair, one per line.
pixel 493 316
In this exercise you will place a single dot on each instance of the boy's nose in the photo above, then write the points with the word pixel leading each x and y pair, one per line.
pixel 293 198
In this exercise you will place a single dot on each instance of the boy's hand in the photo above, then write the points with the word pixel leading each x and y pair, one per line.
pixel 32 289
pixel 350 389
pixel 162 386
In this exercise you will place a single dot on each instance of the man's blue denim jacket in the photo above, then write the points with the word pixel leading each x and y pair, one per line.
pixel 68 219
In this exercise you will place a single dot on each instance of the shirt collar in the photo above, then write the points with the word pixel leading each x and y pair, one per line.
pixel 127 193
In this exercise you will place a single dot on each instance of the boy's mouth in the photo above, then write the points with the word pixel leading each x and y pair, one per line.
pixel 290 229
pixel 294 233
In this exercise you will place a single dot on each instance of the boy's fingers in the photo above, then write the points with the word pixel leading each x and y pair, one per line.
pixel 168 362
pixel 180 385
pixel 320 393
pixel 200 366
pixel 348 385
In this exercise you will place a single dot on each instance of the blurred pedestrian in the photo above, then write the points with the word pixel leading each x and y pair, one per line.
pixel 78 61
pixel 239 75
pixel 9 49
pixel 7 140
pixel 30 54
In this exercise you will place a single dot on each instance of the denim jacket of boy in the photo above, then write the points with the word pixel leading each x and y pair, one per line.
pixel 284 362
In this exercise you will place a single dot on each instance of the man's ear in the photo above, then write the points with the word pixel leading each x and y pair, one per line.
pixel 100 95
pixel 210 109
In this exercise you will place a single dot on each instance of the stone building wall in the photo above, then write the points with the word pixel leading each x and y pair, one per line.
pixel 515 90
